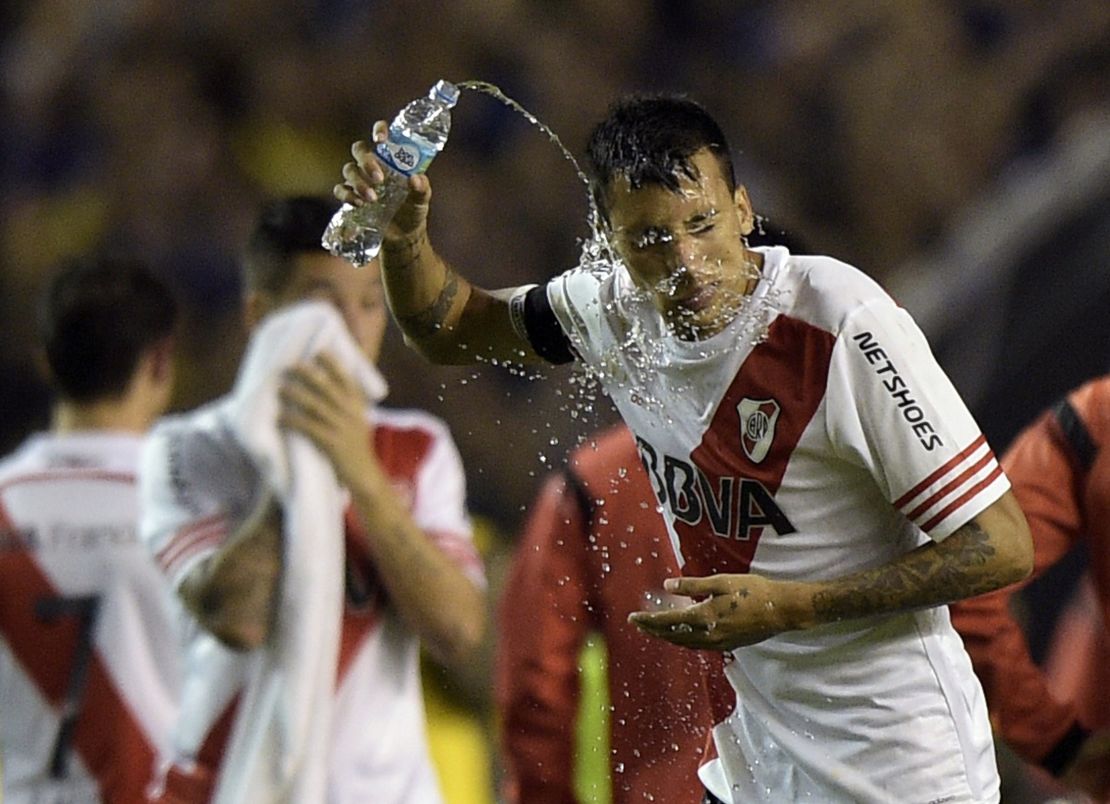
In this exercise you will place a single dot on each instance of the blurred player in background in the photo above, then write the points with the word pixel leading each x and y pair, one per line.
pixel 88 653
pixel 595 550
pixel 412 574
pixel 1060 470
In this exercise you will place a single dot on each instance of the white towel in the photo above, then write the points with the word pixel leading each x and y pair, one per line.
pixel 278 749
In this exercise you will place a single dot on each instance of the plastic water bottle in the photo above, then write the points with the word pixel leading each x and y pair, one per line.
pixel 416 135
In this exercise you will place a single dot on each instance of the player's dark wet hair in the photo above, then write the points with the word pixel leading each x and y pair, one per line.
pixel 97 318
pixel 649 139
pixel 284 228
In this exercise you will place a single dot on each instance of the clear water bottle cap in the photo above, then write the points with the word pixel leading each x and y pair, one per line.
pixel 446 91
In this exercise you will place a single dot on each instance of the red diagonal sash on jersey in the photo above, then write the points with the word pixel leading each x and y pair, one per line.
pixel 363 599
pixel 790 367
pixel 109 740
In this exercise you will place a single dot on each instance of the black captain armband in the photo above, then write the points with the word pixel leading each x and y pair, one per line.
pixel 1075 434
pixel 534 320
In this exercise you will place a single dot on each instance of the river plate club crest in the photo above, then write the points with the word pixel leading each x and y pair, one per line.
pixel 757 426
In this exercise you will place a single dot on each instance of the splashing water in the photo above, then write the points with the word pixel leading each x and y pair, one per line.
pixel 638 350
pixel 495 92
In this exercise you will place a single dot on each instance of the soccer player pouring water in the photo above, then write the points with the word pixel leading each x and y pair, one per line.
pixel 826 491
pixel 89 664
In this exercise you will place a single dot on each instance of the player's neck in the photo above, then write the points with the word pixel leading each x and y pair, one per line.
pixel 117 415
pixel 753 266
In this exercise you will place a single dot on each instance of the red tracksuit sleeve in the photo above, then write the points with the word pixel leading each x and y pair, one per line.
pixel 1047 482
pixel 543 617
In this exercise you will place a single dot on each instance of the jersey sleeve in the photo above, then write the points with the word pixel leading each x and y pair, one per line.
pixel 543 620
pixel 893 411
pixel 439 507
pixel 179 523
pixel 576 298
pixel 534 320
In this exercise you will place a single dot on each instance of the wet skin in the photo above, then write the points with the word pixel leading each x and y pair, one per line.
pixel 685 249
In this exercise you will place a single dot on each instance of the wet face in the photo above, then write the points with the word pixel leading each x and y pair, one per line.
pixel 685 249
pixel 357 294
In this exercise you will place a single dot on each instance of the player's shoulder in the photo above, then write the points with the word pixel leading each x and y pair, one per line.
pixel 192 462
pixel 202 427
pixel 195 442
pixel 588 290
pixel 410 441
pixel 203 419
pixel 825 291
pixel 411 430
pixel 414 420
pixel 71 455
pixel 1092 398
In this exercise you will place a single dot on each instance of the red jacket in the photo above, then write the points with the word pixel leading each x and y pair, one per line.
pixel 1060 470
pixel 593 548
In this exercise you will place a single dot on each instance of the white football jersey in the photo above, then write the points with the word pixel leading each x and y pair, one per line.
pixel 89 666
pixel 198 486
pixel 815 436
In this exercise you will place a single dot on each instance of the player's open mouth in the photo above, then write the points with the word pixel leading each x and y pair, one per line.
pixel 699 300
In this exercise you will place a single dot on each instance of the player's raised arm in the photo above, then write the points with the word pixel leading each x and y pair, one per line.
pixel 443 316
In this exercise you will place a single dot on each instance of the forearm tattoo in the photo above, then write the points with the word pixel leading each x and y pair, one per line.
pixel 400 258
pixel 430 320
pixel 932 575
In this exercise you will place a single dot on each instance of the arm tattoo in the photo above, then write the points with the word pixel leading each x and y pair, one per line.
pixel 399 259
pixel 931 575
pixel 428 321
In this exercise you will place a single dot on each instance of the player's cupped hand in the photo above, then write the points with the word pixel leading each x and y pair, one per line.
pixel 731 611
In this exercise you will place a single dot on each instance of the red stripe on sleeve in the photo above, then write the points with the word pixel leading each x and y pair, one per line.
pixel 982 484
pixel 947 467
pixel 189 539
pixel 951 486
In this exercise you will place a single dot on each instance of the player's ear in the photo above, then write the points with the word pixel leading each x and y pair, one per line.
pixel 744 210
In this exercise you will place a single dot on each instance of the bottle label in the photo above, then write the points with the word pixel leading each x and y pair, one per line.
pixel 403 155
